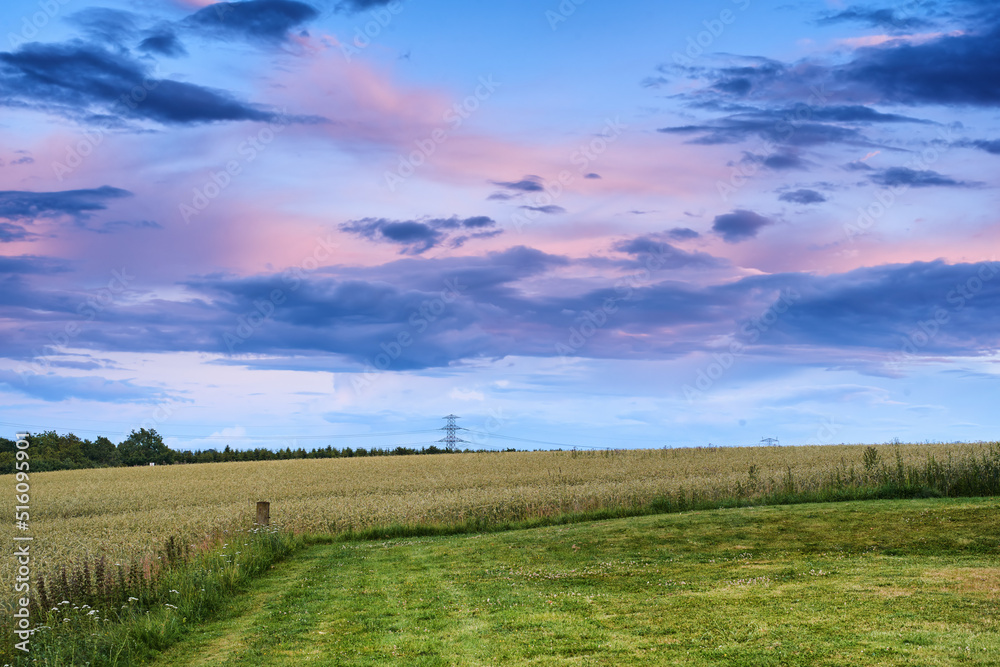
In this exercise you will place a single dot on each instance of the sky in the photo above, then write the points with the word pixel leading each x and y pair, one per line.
pixel 579 223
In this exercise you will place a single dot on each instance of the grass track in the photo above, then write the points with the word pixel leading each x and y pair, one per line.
pixel 879 582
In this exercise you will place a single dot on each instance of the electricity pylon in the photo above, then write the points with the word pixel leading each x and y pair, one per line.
pixel 450 439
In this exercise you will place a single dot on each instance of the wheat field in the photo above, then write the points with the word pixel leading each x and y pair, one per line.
pixel 127 512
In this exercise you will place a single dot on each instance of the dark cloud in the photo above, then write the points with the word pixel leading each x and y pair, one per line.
pixel 72 78
pixel 897 176
pixel 262 20
pixel 101 24
pixel 164 42
pixel 889 19
pixel 735 130
pixel 953 69
pixel 802 126
pixel 992 147
pixel 10 233
pixel 23 205
pixel 883 308
pixel 739 225
pixel 802 197
pixel 592 175
pixel 667 255
pixel 484 305
pixel 682 234
pixel 25 264
pixel 782 160
pixel 419 236
pixel 354 6
pixel 551 209
pixel 527 184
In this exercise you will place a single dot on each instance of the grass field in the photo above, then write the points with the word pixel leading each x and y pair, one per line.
pixel 130 512
pixel 910 582
pixel 99 535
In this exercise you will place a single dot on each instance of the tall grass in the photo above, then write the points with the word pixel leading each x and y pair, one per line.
pixel 93 614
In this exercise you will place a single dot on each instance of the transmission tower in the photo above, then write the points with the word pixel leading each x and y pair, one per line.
pixel 771 442
pixel 450 439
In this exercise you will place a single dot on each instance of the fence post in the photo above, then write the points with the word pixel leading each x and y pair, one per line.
pixel 263 513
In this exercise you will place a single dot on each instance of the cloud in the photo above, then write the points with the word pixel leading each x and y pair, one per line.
pixel 58 388
pixel 992 146
pixel 105 25
pixel 72 78
pixel 79 204
pixel 682 234
pixel 957 68
pixel 803 197
pixel 897 176
pixel 527 184
pixel 163 41
pixel 739 225
pixel 419 236
pixel 550 209
pixel 10 233
pixel 778 161
pixel 592 175
pixel 803 126
pixel 257 20
pixel 354 6
pixel 877 18
pixel 953 69
pixel 669 256
pixel 25 264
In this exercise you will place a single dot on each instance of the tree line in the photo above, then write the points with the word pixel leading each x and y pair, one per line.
pixel 50 451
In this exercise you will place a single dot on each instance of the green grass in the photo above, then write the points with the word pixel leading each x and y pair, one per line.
pixel 911 582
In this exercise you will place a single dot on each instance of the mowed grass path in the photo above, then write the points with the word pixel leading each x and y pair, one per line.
pixel 883 583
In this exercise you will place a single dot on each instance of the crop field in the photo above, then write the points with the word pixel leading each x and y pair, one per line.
pixel 129 512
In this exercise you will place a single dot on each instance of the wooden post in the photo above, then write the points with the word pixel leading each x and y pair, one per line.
pixel 263 513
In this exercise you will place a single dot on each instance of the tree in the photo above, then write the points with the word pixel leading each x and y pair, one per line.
pixel 143 447
pixel 101 452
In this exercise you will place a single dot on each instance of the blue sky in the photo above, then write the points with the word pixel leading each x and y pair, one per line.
pixel 266 222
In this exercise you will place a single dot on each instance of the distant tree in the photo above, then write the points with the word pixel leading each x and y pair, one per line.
pixel 143 447
pixel 101 452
